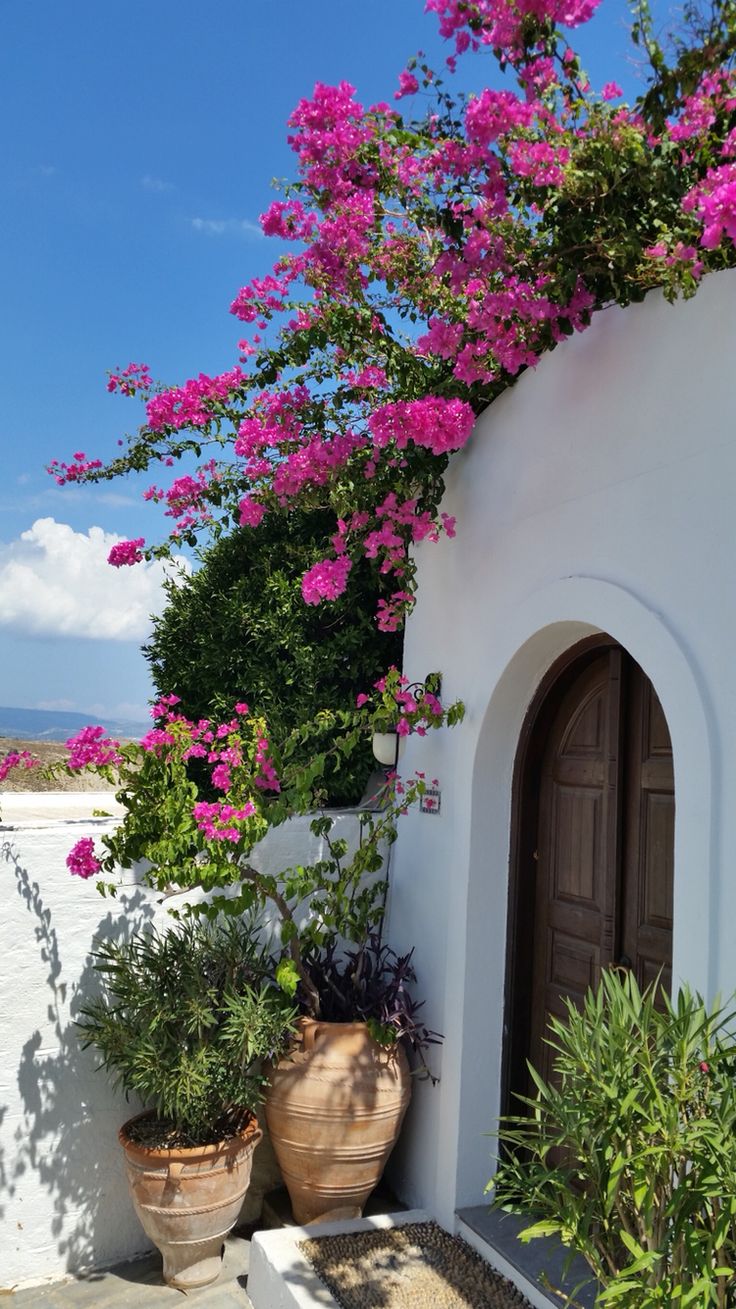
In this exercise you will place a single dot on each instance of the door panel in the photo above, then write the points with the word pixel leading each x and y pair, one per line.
pixel 649 837
pixel 605 839
pixel 577 847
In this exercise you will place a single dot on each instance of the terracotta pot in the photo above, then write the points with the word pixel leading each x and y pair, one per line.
pixel 188 1199
pixel 334 1110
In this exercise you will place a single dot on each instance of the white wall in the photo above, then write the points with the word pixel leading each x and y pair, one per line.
pixel 596 495
pixel 64 1201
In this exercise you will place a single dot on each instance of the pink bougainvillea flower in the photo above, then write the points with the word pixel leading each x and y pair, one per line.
pixel 714 201
pixel 16 759
pixel 221 777
pixel 326 580
pixel 266 778
pixel 251 511
pixel 126 553
pixel 163 706
pixel 408 85
pixel 81 859
pixel 91 747
pixel 217 820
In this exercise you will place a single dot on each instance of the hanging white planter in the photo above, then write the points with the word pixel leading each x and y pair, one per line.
pixel 387 748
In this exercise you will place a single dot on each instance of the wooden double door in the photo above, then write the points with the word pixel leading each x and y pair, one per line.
pixel 594 881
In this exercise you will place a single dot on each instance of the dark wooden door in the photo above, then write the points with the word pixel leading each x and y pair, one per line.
pixel 605 836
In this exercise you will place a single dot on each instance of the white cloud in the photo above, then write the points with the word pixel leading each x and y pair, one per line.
pixel 57 582
pixel 228 227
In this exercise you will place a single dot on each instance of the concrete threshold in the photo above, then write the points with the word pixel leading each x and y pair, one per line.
pixel 494 1234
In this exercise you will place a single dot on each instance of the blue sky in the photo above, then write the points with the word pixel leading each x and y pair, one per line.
pixel 140 142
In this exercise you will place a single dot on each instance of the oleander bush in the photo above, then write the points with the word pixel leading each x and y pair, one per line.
pixel 184 1020
pixel 629 1154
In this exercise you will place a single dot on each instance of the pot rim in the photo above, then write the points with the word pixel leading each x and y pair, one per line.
pixel 249 1134
pixel 357 1024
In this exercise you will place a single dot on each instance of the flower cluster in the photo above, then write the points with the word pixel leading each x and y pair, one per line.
pixel 82 860
pixel 714 202
pixel 126 553
pixel 219 822
pixel 193 404
pixel 266 778
pixel 76 471
pixel 500 23
pixel 326 580
pixel 90 747
pixel 186 498
pixel 131 380
pixel 397 705
pixel 16 759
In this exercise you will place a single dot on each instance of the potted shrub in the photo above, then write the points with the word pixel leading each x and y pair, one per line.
pixel 337 1098
pixel 184 1020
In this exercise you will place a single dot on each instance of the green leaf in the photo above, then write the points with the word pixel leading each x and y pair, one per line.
pixel 287 977
pixel 545 1227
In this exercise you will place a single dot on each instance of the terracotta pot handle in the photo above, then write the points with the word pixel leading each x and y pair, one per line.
pixel 310 1035
pixel 175 1171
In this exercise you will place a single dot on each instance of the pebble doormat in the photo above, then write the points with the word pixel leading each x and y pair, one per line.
pixel 409 1267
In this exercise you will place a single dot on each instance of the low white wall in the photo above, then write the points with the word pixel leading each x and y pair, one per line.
pixel 64 1202
pixel 596 495
pixel 63 1199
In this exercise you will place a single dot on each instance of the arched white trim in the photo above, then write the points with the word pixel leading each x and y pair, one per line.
pixel 545 625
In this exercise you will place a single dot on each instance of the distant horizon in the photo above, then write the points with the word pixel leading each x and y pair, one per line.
pixel 21 722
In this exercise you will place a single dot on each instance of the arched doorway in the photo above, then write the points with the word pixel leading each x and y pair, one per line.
pixel 592 866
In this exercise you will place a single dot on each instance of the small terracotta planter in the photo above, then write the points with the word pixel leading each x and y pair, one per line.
pixel 334 1110
pixel 187 1200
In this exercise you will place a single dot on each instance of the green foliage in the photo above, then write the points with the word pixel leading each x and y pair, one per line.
pixel 184 1019
pixel 238 629
pixel 630 1155
pixel 186 838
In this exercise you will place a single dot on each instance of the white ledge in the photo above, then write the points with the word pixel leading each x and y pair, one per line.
pixel 20 809
pixel 281 1277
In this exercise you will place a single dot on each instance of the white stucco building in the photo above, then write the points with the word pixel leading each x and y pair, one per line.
pixel 585 613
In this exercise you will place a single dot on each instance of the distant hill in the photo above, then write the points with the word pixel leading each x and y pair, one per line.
pixel 56 725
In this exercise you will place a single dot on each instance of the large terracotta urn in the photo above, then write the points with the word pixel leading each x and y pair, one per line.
pixel 334 1109
pixel 188 1199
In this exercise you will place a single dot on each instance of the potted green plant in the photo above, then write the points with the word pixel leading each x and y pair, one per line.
pixel 338 1096
pixel 399 707
pixel 184 1020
